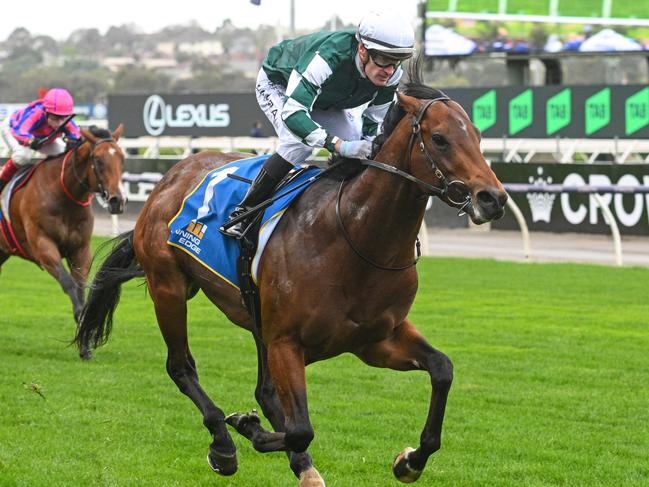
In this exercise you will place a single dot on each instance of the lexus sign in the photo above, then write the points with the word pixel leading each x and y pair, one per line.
pixel 210 115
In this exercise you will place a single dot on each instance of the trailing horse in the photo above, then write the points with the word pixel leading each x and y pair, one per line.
pixel 337 276
pixel 49 217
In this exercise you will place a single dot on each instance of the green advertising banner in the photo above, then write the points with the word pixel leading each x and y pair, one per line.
pixel 636 111
pixel 520 112
pixel 598 111
pixel 484 111
pixel 558 113
pixel 601 112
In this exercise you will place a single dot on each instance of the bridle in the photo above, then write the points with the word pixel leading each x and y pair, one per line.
pixel 100 187
pixel 431 189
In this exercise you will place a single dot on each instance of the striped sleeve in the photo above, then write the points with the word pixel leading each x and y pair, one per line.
pixel 72 130
pixel 375 112
pixel 24 124
pixel 302 91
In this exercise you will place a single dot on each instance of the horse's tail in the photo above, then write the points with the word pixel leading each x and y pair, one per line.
pixel 120 265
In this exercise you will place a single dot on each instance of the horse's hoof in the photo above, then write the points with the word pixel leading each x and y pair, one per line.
pixel 240 420
pixel 222 464
pixel 85 354
pixel 311 478
pixel 402 471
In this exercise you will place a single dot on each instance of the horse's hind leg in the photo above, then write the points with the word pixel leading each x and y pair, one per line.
pixel 286 367
pixel 248 424
pixel 406 350
pixel 168 289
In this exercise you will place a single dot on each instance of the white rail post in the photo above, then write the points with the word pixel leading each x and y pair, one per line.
pixel 115 221
pixel 615 231
pixel 525 232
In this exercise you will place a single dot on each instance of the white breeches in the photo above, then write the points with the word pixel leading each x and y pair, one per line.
pixel 22 155
pixel 345 124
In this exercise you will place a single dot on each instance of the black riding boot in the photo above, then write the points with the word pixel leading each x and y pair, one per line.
pixel 271 173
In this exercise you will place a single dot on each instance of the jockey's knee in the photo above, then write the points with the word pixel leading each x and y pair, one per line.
pixel 294 151
pixel 277 166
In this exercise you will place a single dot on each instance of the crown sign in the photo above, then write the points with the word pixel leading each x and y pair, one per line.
pixel 541 203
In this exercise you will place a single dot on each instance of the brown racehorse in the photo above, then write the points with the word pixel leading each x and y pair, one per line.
pixel 324 290
pixel 51 215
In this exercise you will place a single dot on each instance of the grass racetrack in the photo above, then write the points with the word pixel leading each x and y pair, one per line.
pixel 551 388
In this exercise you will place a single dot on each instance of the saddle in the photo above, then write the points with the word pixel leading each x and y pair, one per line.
pixel 18 181
pixel 248 248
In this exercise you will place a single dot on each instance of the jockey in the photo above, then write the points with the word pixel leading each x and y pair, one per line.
pixel 306 86
pixel 27 129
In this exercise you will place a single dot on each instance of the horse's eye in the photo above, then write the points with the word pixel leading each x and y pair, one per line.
pixel 439 141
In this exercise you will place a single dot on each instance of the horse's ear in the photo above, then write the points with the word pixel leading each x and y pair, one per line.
pixel 117 133
pixel 88 135
pixel 409 103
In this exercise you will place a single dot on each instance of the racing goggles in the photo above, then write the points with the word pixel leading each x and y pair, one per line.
pixel 383 61
pixel 56 117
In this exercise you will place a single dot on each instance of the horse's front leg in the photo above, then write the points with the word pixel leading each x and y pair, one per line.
pixel 249 425
pixel 79 264
pixel 46 253
pixel 407 350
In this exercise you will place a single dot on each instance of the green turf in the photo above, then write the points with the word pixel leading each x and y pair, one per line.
pixel 550 387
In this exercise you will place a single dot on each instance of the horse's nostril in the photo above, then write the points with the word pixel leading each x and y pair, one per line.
pixel 492 198
pixel 486 199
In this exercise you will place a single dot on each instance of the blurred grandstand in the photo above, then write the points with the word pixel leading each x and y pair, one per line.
pixel 536 26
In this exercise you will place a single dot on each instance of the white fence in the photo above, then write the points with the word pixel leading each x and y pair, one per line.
pixel 505 149
pixel 595 191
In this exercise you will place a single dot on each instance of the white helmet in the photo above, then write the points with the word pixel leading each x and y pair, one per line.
pixel 389 34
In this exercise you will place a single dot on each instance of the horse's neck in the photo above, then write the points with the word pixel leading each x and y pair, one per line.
pixel 75 170
pixel 385 209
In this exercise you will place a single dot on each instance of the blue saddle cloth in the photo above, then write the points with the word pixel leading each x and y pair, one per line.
pixel 195 228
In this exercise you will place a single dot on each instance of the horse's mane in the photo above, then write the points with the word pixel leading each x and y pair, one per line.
pixel 99 132
pixel 413 86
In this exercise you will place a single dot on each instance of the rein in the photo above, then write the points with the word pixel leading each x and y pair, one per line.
pixel 432 189
pixel 83 185
pixel 81 182
pixel 358 252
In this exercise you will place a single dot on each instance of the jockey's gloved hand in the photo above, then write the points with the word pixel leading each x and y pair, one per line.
pixel 36 143
pixel 356 149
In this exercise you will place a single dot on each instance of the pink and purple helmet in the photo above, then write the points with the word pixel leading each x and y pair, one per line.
pixel 58 101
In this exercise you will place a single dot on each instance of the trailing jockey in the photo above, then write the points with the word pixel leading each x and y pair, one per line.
pixel 307 86
pixel 31 128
